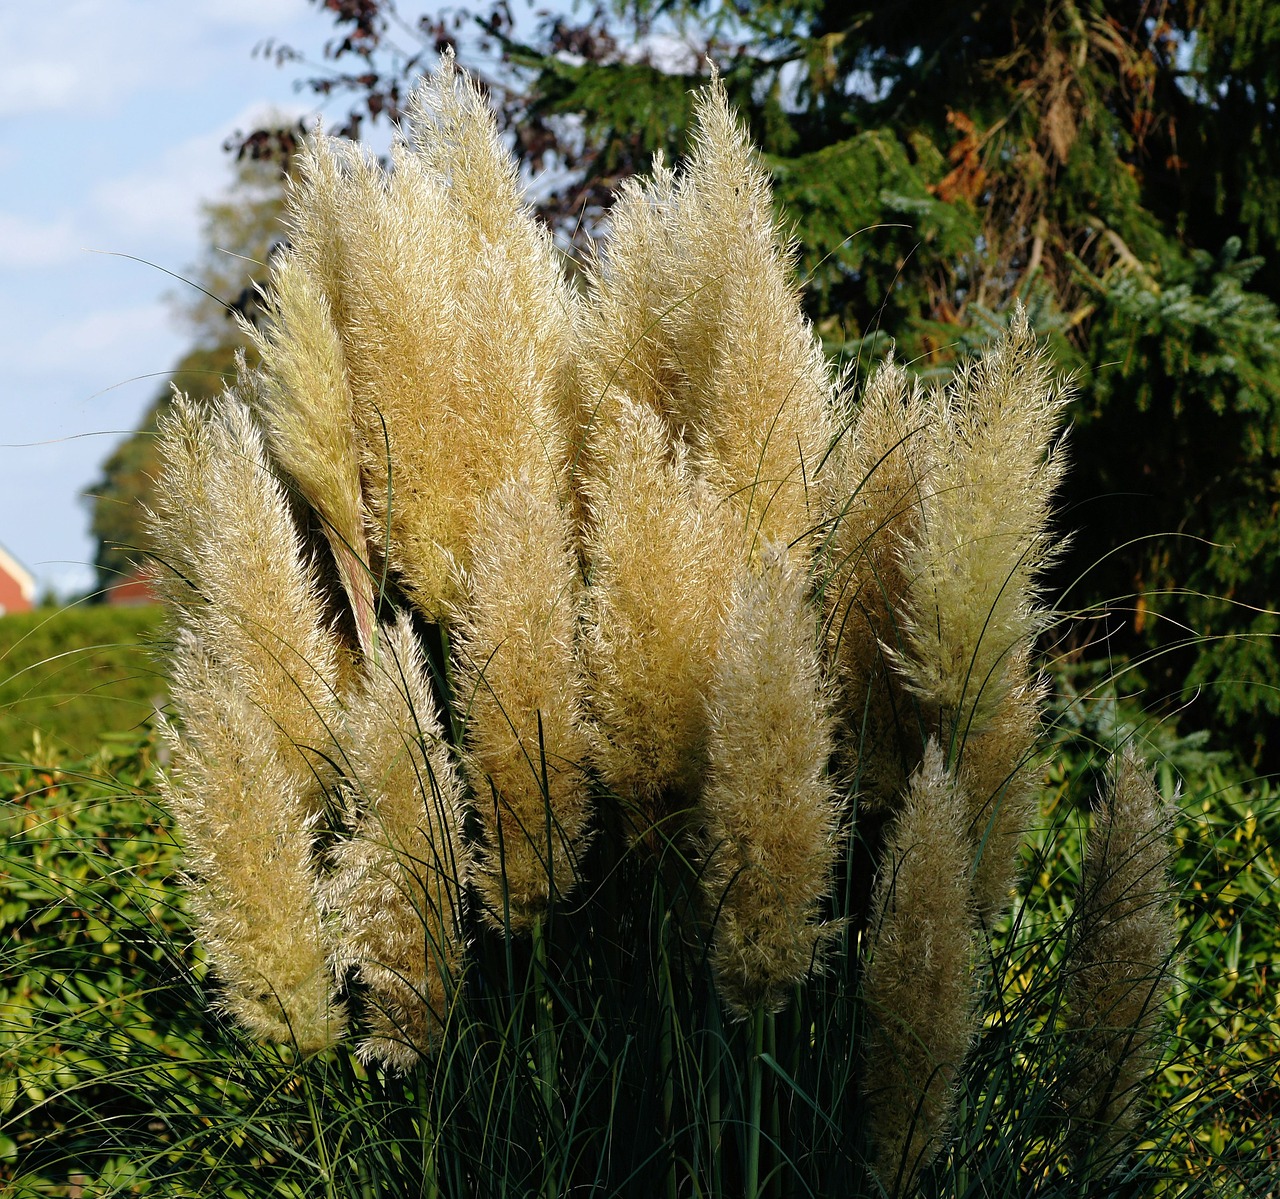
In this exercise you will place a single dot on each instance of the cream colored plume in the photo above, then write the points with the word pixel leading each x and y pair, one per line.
pixel 456 325
pixel 757 393
pixel 399 880
pixel 769 813
pixel 317 216
pixel 246 823
pixel 176 522
pixel 625 345
pixel 456 137
pixel 521 313
pixel 972 562
pixel 306 407
pixel 518 680
pixel 874 507
pixel 662 552
pixel 399 275
pixel 1119 966
pixel 223 519
pixel 920 985
pixel 693 313
pixel 998 770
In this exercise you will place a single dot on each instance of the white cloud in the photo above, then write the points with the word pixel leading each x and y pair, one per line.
pixel 103 90
pixel 94 53
pixel 25 243
pixel 160 200
pixel 668 52
pixel 267 15
pixel 91 56
pixel 36 86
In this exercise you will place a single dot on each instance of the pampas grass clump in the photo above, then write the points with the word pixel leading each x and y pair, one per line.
pixel 495 604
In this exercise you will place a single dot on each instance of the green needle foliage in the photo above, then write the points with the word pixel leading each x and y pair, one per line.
pixel 636 795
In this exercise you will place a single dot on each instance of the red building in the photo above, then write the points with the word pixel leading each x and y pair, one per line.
pixel 133 589
pixel 17 587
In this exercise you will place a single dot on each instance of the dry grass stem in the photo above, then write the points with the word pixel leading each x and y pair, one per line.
pixel 520 685
pixel 247 829
pixel 249 594
pixel 1118 969
pixel 306 408
pixel 921 986
pixel 661 552
pixel 879 471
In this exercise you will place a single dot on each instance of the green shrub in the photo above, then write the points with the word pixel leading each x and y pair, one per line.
pixel 93 937
pixel 114 1074
pixel 68 675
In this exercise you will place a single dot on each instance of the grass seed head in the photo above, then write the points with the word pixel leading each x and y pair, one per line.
pixel 519 681
pixel 920 983
pixel 1119 966
pixel 768 811
pixel 247 828
pixel 397 888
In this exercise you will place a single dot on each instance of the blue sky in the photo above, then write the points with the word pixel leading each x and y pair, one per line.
pixel 112 118
pixel 113 114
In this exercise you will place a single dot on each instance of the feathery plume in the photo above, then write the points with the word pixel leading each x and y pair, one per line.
pixel 456 138
pixel 401 275
pixel 879 470
pixel 757 390
pixel 624 347
pixel 177 521
pixel 661 551
pixel 305 404
pixel 317 218
pixel 971 562
pixel 997 770
pixel 399 880
pixel 769 814
pixel 456 325
pixel 247 826
pixel 523 312
pixel 1118 968
pixel 693 312
pixel 520 684
pixel 250 595
pixel 920 979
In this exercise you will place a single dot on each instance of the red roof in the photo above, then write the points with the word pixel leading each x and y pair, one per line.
pixel 133 588
pixel 17 587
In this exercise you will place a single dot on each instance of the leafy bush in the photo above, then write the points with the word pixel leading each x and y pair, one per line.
pixel 1219 1086
pixel 93 938
pixel 69 675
